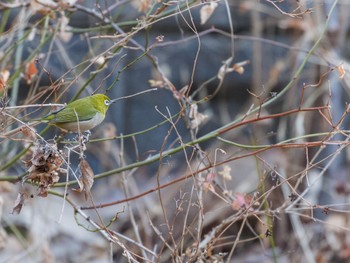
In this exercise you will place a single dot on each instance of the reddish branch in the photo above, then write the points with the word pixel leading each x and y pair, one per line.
pixel 252 153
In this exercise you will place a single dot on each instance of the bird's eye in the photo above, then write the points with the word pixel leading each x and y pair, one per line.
pixel 106 102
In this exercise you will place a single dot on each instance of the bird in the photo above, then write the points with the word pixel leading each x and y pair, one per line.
pixel 80 115
pixel 77 116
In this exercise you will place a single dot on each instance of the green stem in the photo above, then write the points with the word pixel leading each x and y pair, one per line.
pixel 256 147
pixel 5 17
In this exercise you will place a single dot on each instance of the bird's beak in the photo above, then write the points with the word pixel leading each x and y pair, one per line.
pixel 133 95
pixel 112 101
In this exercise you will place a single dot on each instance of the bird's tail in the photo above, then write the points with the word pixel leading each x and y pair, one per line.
pixel 28 127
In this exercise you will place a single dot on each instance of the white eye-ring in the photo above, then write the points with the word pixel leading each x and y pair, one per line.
pixel 107 102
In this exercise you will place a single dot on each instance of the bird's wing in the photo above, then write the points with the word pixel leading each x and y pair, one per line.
pixel 73 113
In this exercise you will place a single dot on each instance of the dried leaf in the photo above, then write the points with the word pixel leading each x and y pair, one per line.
pixel 193 111
pixel 87 177
pixel 30 72
pixel 207 183
pixel 241 201
pixel 237 67
pixel 196 117
pixel 4 76
pixel 44 166
pixel 341 71
pixel 207 11
pixel 224 69
pixel 29 132
pixel 21 197
pixel 156 83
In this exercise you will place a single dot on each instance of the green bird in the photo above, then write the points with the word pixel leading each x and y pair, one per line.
pixel 82 114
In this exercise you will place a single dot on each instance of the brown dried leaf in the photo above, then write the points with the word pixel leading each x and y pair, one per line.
pixel 44 166
pixel 241 201
pixel 207 183
pixel 29 132
pixel 21 197
pixel 239 67
pixel 4 76
pixel 30 72
pixel 87 177
pixel 45 182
